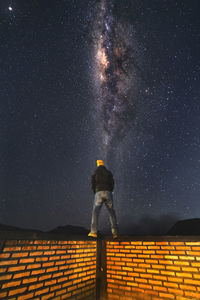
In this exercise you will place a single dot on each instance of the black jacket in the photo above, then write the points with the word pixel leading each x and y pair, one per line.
pixel 102 180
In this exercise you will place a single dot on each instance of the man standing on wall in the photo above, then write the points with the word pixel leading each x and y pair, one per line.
pixel 102 183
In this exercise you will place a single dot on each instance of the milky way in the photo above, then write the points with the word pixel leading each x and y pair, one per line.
pixel 113 74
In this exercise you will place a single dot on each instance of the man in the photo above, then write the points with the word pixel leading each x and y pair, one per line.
pixel 102 183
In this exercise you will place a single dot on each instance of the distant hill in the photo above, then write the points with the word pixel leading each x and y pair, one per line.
pixel 185 227
pixel 68 230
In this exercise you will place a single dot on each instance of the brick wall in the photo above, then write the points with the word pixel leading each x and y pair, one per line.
pixel 47 269
pixel 167 269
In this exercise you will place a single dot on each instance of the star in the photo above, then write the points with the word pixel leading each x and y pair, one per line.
pixel 10 8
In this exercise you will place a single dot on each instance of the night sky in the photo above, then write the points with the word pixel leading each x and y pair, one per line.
pixel 82 80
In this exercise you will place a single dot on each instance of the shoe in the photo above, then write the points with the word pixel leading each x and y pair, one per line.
pixel 115 236
pixel 92 234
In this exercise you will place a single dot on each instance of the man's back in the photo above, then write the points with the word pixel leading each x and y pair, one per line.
pixel 102 180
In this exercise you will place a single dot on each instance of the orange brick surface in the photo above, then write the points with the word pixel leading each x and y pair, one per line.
pixel 170 269
pixel 34 272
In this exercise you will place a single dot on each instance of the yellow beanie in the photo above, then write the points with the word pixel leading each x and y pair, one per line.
pixel 100 163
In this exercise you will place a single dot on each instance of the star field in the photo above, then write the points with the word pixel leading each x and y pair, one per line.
pixel 54 95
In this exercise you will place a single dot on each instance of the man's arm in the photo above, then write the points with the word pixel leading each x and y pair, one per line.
pixel 93 182
pixel 112 183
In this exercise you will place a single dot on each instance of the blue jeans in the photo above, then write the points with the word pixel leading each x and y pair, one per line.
pixel 100 198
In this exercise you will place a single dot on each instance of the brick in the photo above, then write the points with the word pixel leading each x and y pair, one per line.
pixel 174 268
pixel 48 264
pixel 51 252
pixel 3 270
pixel 60 252
pixel 131 265
pixel 192 294
pixel 151 261
pixel 20 254
pixel 34 266
pixel 178 252
pixel 176 243
pixel 144 265
pixel 160 288
pixel 166 295
pixel 146 275
pixel 154 247
pixel 11 284
pixel 170 273
pixel 17 291
pixel 5 277
pixel 157 256
pixel 153 271
pixel 24 297
pixel 44 277
pixel 57 287
pixel 40 271
pixel 35 286
pixel 187 287
pixel 175 291
pixel 171 257
pixel 76 281
pixel 142 255
pixel 131 283
pixel 181 263
pixel 3 295
pixel 192 243
pixel 175 279
pixel 66 284
pixel 195 264
pixel 11 249
pixel 49 296
pixel 18 268
pixel 43 248
pixel 60 262
pixel 73 276
pixel 162 252
pixel 158 266
pixel 196 276
pixel 57 274
pixel 195 253
pixel 52 269
pixel 166 262
pixel 29 280
pixel 26 260
pixel 182 274
pixel 41 291
pixel 141 280
pixel 192 281
pixel 183 248
pixel 148 252
pixel 145 286
pixel 8 262
pixel 136 243
pixel 190 269
pixel 4 255
pixel 155 282
pixel 36 253
pixel 187 257
pixel 50 282
pixel 19 275
pixel 28 248
pixel 159 277
pixel 171 284
pixel 54 257
pixel 149 243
